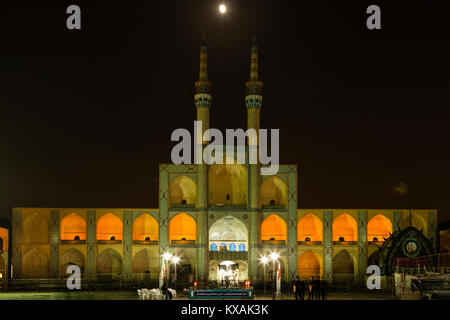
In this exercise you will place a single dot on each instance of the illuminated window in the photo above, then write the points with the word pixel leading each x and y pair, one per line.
pixel 109 226
pixel 182 190
pixel 228 183
pixel 345 226
pixel 241 247
pixel 182 227
pixel 273 191
pixel 310 227
pixel 273 228
pixel 232 247
pixel 145 226
pixel 378 227
pixel 214 247
pixel 71 226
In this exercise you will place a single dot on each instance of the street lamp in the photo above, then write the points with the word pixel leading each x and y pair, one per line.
pixel 175 260
pixel 264 261
pixel 166 257
pixel 273 256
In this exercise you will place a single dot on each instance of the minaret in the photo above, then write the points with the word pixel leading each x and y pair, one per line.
pixel 253 102
pixel 202 100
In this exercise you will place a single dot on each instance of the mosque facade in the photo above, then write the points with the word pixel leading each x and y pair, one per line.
pixel 220 220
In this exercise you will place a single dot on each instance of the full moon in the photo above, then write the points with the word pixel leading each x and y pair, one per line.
pixel 222 8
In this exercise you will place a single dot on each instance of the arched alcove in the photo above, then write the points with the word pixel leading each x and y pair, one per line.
pixel 310 227
pixel 145 262
pixel 345 228
pixel 229 232
pixel 228 184
pixel 273 191
pixel 182 190
pixel 309 265
pixel 73 226
pixel 35 265
pixel 71 257
pixel 145 227
pixel 35 228
pixel 109 264
pixel 182 227
pixel 109 227
pixel 379 228
pixel 273 228
pixel 343 264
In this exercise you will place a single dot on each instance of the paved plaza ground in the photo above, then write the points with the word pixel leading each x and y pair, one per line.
pixel 132 295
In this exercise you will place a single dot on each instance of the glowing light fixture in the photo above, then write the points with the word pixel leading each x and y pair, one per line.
pixel 274 256
pixel 175 259
pixel 264 259
pixel 222 9
pixel 167 256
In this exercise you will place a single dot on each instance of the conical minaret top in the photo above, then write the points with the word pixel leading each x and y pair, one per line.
pixel 254 86
pixel 203 85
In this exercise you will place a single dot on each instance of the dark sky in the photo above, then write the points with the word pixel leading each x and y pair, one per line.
pixel 86 116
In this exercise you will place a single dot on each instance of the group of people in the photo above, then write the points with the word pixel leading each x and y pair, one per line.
pixel 314 288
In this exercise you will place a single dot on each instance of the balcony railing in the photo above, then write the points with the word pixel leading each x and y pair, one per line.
pixel 274 206
pixel 182 241
pixel 73 241
pixel 228 255
pixel 310 243
pixel 345 243
pixel 375 243
pixel 181 205
pixel 274 242
pixel 227 206
pixel 109 241
pixel 145 242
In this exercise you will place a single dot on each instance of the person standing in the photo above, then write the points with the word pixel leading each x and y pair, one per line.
pixel 302 289
pixel 324 289
pixel 295 287
pixel 311 288
pixel 317 288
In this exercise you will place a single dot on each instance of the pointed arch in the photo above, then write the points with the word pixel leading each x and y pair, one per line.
pixel 182 190
pixel 310 227
pixel 273 191
pixel 145 262
pixel 109 226
pixel 182 227
pixel 309 264
pixel 345 227
pixel 72 226
pixel 109 264
pixel 274 228
pixel 379 228
pixel 417 221
pixel 343 263
pixel 144 227
pixel 228 183
pixel 4 236
pixel 71 257
pixel 36 228
pixel 35 265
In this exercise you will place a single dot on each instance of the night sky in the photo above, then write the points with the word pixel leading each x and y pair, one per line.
pixel 86 116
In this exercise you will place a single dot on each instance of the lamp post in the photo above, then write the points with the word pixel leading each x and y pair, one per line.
pixel 273 256
pixel 264 261
pixel 175 260
pixel 166 257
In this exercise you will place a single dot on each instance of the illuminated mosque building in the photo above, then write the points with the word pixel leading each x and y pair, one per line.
pixel 218 219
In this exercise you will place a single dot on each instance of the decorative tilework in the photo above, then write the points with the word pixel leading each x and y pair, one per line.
pixel 91 248
pixel 327 249
pixel 54 244
pixel 362 244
